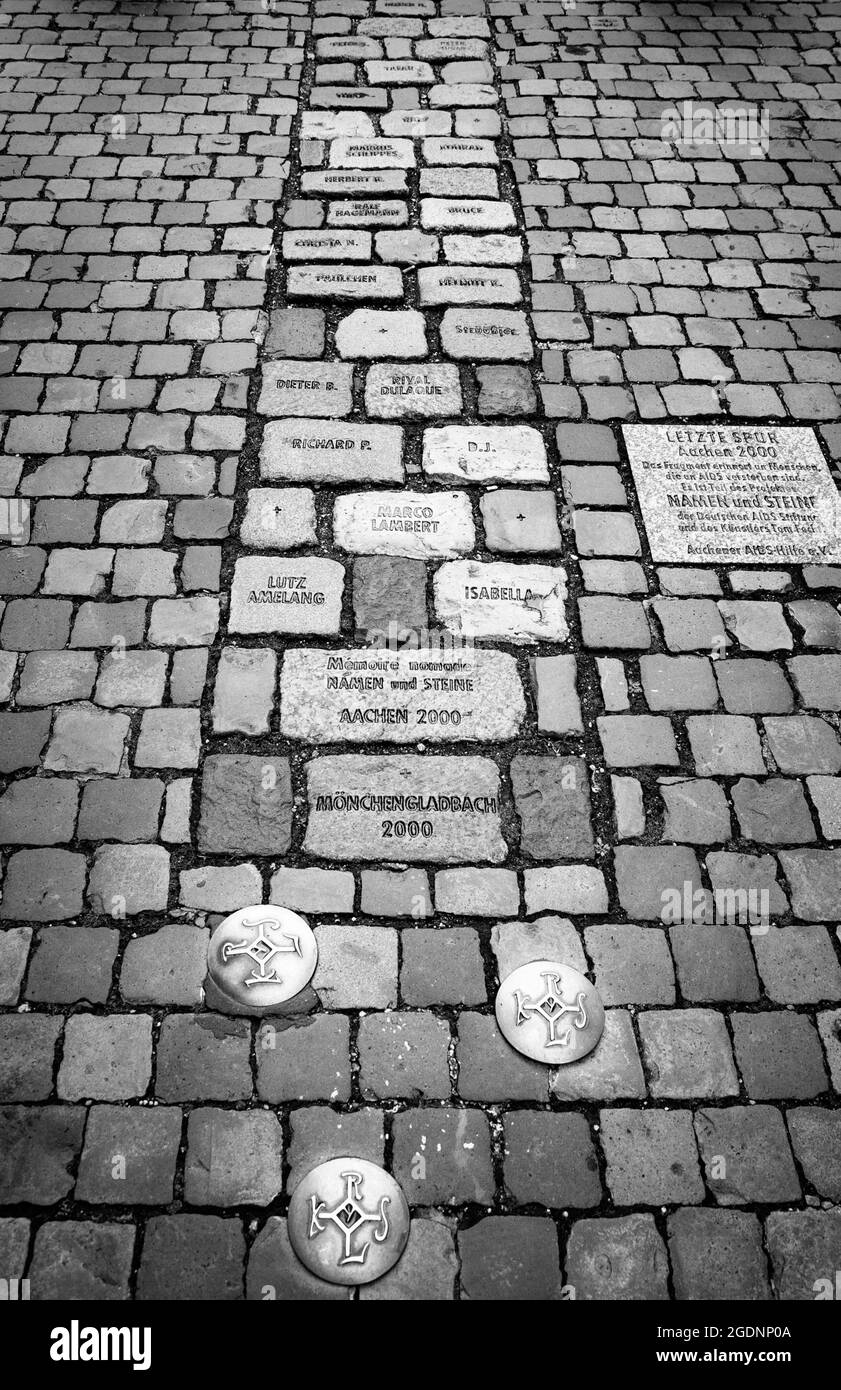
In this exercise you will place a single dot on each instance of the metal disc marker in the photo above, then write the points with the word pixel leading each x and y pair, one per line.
pixel 261 956
pixel 549 1012
pixel 348 1221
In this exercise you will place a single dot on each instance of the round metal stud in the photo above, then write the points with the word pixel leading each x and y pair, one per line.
pixel 258 958
pixel 549 1012
pixel 348 1221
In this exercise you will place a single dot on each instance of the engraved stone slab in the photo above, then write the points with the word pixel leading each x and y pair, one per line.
pixel 378 212
pixel 305 388
pixel 416 524
pixel 408 808
pixel 761 494
pixel 455 151
pixel 326 246
pixel 381 696
pixel 330 125
pixel 406 7
pixel 416 123
pixel 486 335
pixel 323 452
pixel 372 154
pixel 334 182
pixel 473 214
pixel 485 453
pixel 348 1221
pixel 483 250
pixel 393 391
pixel 382 333
pixel 278 518
pixel 517 603
pixel 258 958
pixel 439 50
pixel 273 593
pixel 352 49
pixel 398 74
pixel 345 281
pixel 368 98
pixel 462 284
pixel 549 1012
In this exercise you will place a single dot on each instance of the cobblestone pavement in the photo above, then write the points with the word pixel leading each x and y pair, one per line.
pixel 261 266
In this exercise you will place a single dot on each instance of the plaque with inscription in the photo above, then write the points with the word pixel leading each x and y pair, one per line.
pixel 273 593
pixel 751 494
pixel 465 284
pixel 487 334
pixel 406 808
pixel 517 603
pixel 381 696
pixel 485 453
pixel 415 524
pixel 398 74
pixel 393 390
pixel 305 388
pixel 459 151
pixel 378 212
pixel 345 281
pixel 473 214
pixel 334 182
pixel 439 50
pixel 351 49
pixel 372 154
pixel 326 246
pixel 327 451
pixel 416 123
pixel 369 98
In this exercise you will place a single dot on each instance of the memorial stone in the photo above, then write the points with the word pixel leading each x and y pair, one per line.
pixel 487 335
pixel 395 390
pixel 334 182
pixel 458 151
pixel 326 246
pixel 405 808
pixel 461 284
pixel 272 593
pixel 345 281
pixel 485 453
pixel 372 154
pixel 382 696
pixel 516 603
pixel 415 524
pixel 755 494
pixel 469 214
pixel 305 388
pixel 376 212
pixel 321 451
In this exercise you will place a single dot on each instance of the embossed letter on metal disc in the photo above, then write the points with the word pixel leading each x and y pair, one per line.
pixel 348 1221
pixel 549 1012
pixel 261 956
